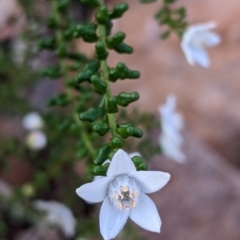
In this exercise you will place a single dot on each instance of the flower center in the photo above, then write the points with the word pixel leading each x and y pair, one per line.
pixel 199 41
pixel 123 192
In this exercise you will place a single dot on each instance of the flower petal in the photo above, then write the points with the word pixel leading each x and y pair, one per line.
pixel 210 39
pixel 121 164
pixel 150 181
pixel 172 148
pixel 201 27
pixel 187 52
pixel 112 219
pixel 95 191
pixel 145 214
pixel 201 57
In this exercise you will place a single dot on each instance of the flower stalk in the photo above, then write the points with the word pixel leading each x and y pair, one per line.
pixel 105 76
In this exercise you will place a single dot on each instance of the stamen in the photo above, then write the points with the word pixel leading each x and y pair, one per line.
pixel 123 192
pixel 133 203
pixel 134 193
pixel 116 196
pixel 120 206
pixel 124 189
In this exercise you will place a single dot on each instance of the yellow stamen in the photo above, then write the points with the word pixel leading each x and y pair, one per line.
pixel 124 189
pixel 120 206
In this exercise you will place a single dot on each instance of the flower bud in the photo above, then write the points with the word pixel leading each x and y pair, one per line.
pixel 91 3
pixel 143 166
pixel 124 99
pixel 101 128
pixel 137 160
pixel 77 56
pixel 102 15
pixel 102 155
pixel 100 170
pixel 59 100
pixel 116 40
pixel 87 32
pixel 52 22
pixel 137 133
pixel 101 52
pixel 51 72
pixel 62 50
pixel 126 130
pixel 122 72
pixel 99 86
pixel 112 105
pixel 118 10
pixel 91 114
pixel 123 48
pixel 47 43
pixel 116 142
pixel 87 72
pixel 62 5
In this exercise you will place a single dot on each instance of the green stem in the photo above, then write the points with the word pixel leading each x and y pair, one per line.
pixel 84 137
pixel 69 91
pixel 105 77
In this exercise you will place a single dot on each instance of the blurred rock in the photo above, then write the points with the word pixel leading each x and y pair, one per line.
pixel 201 201
pixel 12 19
pixel 19 171
pixel 11 127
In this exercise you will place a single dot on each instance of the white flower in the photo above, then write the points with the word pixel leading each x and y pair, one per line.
pixel 57 214
pixel 32 121
pixel 36 140
pixel 195 39
pixel 123 194
pixel 170 138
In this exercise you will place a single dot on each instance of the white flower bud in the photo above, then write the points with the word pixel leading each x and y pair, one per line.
pixel 36 140
pixel 32 121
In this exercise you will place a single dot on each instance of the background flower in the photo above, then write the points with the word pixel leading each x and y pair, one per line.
pixel 32 121
pixel 170 138
pixel 195 39
pixel 36 140
pixel 57 214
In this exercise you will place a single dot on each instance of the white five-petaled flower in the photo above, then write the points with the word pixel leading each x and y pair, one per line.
pixel 32 121
pixel 194 41
pixel 170 138
pixel 57 214
pixel 123 194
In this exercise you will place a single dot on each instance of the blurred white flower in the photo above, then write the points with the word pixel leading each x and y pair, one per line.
pixel 123 194
pixel 36 140
pixel 32 121
pixel 57 214
pixel 19 50
pixel 170 138
pixel 194 41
